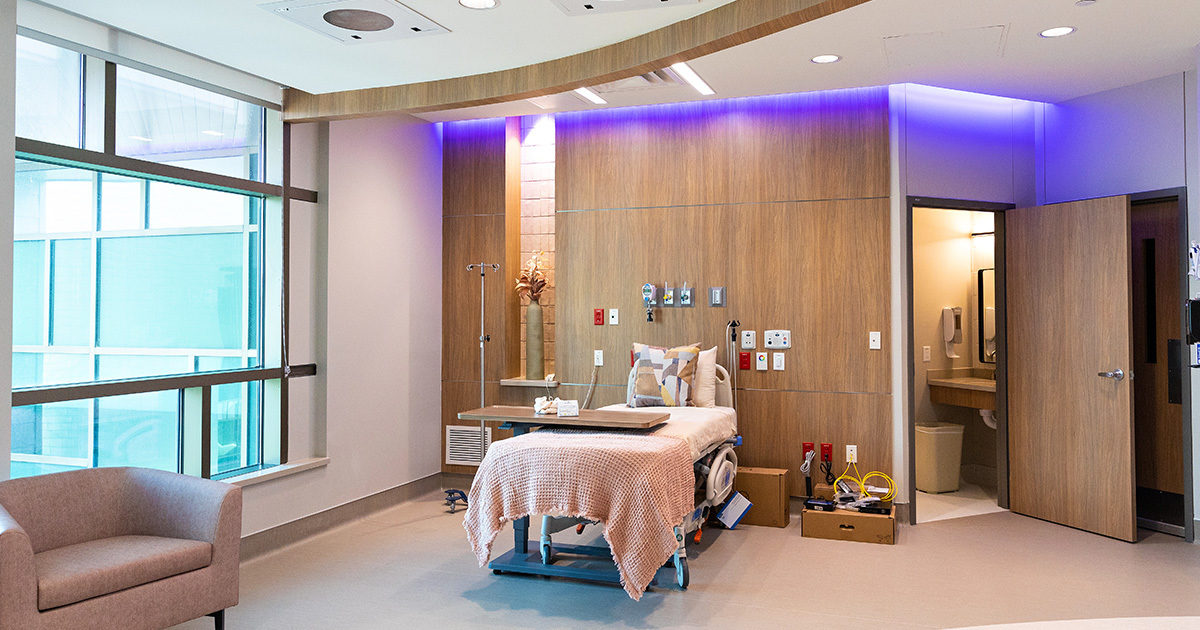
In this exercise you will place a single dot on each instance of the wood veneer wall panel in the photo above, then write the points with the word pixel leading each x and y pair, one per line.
pixel 465 240
pixel 784 201
pixel 473 167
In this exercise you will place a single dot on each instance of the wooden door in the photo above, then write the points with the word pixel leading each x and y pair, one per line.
pixel 1070 430
pixel 1158 397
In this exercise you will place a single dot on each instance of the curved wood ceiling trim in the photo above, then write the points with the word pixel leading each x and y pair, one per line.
pixel 728 25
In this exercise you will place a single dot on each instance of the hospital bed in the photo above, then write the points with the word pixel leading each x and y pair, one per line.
pixel 710 434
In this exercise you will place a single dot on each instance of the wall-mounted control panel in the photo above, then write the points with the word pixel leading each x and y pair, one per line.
pixel 777 361
pixel 760 361
pixel 749 340
pixel 744 360
pixel 778 339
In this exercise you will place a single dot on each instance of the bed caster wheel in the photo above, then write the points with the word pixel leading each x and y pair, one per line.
pixel 497 572
pixel 682 577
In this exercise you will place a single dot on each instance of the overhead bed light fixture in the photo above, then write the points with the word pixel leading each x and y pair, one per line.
pixel 478 4
pixel 686 73
pixel 591 96
pixel 826 59
pixel 1058 31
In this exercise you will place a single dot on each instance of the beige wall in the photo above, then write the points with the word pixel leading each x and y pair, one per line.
pixel 366 307
pixel 945 259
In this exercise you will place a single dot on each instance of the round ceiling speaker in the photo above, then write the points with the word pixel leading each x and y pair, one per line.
pixel 359 20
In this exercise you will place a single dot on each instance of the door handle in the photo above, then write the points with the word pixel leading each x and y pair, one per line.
pixel 1115 375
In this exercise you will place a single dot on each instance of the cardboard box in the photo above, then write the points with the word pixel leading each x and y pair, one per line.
pixel 768 490
pixel 848 525
pixel 823 491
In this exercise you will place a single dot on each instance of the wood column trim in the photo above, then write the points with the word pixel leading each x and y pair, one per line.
pixel 726 26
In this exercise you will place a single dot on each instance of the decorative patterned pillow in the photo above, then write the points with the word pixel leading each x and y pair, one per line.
pixel 663 377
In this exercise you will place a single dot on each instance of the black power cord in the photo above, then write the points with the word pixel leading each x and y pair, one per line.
pixel 827 468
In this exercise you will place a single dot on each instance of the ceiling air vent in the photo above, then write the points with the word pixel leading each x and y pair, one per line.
pixel 462 445
pixel 357 21
pixel 665 78
pixel 588 7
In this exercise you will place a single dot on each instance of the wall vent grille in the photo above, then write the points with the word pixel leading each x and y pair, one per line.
pixel 462 445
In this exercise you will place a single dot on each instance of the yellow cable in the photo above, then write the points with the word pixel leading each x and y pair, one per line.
pixel 862 481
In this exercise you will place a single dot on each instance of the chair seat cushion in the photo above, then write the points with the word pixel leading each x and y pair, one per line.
pixel 98 567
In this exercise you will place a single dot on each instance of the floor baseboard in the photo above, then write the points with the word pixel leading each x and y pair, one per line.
pixel 275 538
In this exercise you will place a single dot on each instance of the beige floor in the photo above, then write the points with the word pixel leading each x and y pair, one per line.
pixel 409 567
pixel 969 500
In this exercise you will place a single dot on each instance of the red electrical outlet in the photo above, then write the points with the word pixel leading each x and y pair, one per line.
pixel 826 452
pixel 744 360
pixel 598 317
pixel 808 448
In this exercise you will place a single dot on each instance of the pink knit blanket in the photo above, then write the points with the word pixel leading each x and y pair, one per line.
pixel 639 486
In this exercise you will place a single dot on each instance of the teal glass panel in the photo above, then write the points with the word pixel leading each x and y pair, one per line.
pixel 49 91
pixel 138 430
pixel 71 292
pixel 111 367
pixel 122 206
pixel 31 369
pixel 29 293
pixel 177 206
pixel 58 430
pixel 52 199
pixel 236 413
pixel 172 291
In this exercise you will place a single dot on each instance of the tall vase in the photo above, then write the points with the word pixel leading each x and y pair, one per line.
pixel 535 368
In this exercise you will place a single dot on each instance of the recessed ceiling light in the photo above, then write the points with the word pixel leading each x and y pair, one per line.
pixel 141 138
pixel 1058 31
pixel 591 96
pixel 826 59
pixel 210 132
pixel 686 73
pixel 478 4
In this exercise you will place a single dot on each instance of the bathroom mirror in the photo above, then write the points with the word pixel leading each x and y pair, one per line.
pixel 987 315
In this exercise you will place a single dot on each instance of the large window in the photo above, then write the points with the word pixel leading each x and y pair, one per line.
pixel 121 276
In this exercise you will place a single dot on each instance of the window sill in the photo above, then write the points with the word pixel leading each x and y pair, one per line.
pixel 276 472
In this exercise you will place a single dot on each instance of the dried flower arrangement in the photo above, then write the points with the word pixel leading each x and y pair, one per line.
pixel 532 280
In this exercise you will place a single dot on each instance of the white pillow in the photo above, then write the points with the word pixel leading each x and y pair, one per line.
pixel 704 385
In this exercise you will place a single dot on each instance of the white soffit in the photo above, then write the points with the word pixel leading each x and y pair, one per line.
pixel 357 21
pixel 593 7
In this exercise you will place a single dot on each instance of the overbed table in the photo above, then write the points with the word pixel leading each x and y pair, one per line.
pixel 521 420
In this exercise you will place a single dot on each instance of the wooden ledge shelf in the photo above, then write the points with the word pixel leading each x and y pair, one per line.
pixel 522 382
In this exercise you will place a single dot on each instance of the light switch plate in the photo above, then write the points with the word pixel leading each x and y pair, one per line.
pixel 716 296
pixel 777 361
pixel 876 340
pixel 926 354
pixel 749 341
pixel 598 358
pixel 777 339
pixel 760 361
pixel 612 317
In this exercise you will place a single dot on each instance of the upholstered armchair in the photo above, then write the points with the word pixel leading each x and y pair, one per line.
pixel 117 548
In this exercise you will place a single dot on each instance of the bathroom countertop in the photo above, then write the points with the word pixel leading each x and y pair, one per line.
pixel 965 382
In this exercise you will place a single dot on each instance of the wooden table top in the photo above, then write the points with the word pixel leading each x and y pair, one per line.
pixel 607 418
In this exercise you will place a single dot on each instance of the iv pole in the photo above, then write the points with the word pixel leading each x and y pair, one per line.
pixel 483 337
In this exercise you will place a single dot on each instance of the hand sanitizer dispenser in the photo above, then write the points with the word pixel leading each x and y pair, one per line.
pixel 952 329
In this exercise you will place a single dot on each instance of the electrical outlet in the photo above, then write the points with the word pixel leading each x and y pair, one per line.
pixel 598 358
pixel 876 340
pixel 808 446
pixel 851 453
pixel 777 361
pixel 748 340
pixel 613 317
pixel 926 355
pixel 744 360
pixel 598 317
pixel 826 452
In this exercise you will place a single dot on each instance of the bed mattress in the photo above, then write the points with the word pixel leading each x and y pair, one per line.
pixel 700 427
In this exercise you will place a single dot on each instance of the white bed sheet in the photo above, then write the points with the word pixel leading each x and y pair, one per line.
pixel 701 427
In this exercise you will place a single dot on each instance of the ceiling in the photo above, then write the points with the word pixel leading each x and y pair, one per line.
pixel 988 46
pixel 243 35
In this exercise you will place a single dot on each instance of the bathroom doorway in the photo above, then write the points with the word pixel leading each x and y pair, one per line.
pixel 958 454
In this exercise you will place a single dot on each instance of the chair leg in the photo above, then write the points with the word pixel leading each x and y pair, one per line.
pixel 218 619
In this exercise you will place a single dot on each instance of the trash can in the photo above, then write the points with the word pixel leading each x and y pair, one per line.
pixel 939 456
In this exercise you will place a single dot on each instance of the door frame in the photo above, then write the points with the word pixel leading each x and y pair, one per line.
pixel 910 428
pixel 1181 196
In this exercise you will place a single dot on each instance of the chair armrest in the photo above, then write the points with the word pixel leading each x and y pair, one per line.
pixel 18 576
pixel 180 506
